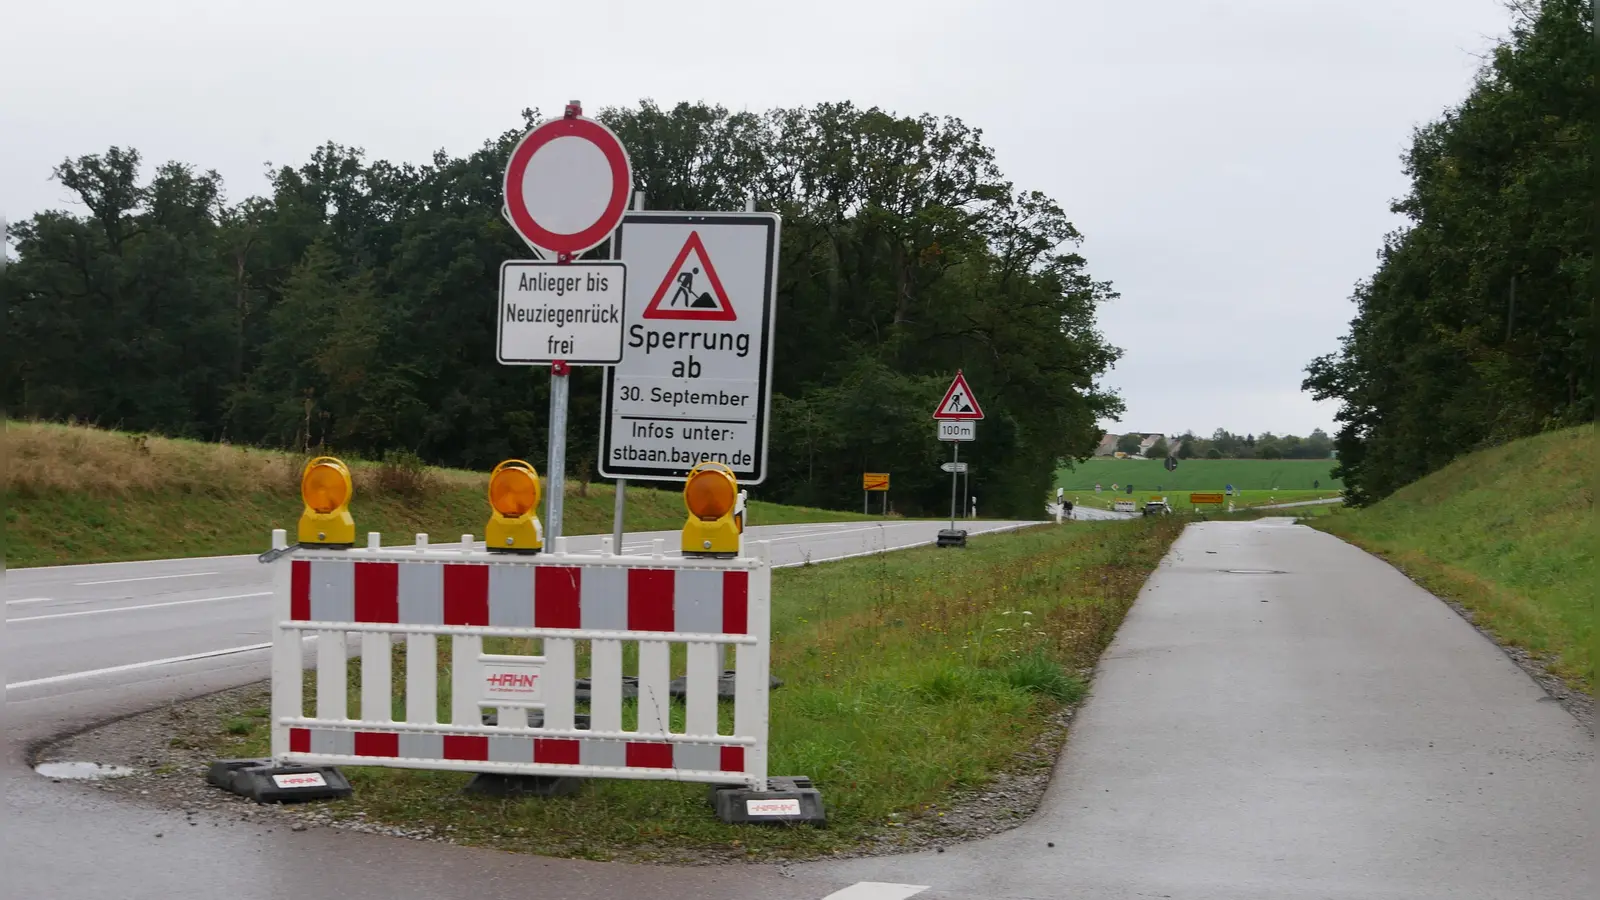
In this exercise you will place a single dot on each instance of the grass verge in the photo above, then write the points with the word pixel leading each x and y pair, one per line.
pixel 1509 534
pixel 75 494
pixel 911 677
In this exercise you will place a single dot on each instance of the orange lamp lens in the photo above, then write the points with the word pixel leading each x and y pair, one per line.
pixel 324 487
pixel 513 492
pixel 709 494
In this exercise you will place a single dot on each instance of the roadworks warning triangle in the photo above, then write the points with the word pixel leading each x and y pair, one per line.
pixel 691 288
pixel 958 402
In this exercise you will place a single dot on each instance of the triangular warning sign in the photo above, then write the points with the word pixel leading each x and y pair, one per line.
pixel 691 288
pixel 958 402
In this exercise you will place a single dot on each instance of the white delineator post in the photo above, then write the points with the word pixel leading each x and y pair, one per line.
pixel 287 699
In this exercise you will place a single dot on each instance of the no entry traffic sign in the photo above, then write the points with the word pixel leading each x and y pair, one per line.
pixel 567 185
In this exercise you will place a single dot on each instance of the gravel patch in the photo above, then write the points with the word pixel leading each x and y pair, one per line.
pixel 170 748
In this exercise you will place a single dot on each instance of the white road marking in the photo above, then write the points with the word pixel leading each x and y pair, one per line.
pixel 73 676
pixel 28 600
pixel 121 609
pixel 133 562
pixel 877 890
pixel 896 547
pixel 145 578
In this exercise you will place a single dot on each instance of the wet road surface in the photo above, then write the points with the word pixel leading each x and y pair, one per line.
pixel 1309 724
pixel 84 644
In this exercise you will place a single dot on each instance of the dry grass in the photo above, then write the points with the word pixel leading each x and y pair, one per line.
pixel 47 457
pixel 78 494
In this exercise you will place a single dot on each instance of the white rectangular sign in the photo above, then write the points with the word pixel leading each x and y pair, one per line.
pixel 694 383
pixel 300 780
pixel 954 467
pixel 516 681
pixel 570 311
pixel 772 807
pixel 958 430
pixel 1123 506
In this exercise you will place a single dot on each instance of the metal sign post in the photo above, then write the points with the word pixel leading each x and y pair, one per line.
pixel 955 476
pixel 556 454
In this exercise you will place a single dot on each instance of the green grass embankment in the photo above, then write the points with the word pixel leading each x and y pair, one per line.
pixel 1509 533
pixel 909 677
pixel 77 495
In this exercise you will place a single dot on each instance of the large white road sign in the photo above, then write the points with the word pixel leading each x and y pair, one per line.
pixel 694 382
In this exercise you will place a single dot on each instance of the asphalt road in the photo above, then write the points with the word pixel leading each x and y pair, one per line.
pixel 85 644
pixel 1308 725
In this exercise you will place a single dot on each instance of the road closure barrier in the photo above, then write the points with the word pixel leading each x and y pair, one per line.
pixel 580 608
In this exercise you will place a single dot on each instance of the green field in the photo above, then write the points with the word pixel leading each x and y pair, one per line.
pixel 1202 475
pixel 1179 500
pixel 1508 533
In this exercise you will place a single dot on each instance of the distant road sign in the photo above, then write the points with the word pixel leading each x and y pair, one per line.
pixel 1198 499
pixel 570 312
pixel 957 430
pixel 1123 506
pixel 875 481
pixel 567 184
pixel 694 383
pixel 954 467
pixel 958 402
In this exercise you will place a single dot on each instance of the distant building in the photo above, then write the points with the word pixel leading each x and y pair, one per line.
pixel 1108 444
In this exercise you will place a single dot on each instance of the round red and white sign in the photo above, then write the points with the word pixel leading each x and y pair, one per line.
pixel 567 185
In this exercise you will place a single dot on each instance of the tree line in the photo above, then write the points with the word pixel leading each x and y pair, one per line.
pixel 351 308
pixel 1224 444
pixel 1478 325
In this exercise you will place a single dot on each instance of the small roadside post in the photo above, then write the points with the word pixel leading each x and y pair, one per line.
pixel 956 418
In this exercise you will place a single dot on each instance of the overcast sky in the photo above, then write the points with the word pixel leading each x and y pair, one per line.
pixel 1230 162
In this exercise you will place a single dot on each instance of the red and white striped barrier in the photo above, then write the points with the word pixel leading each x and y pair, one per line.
pixel 564 599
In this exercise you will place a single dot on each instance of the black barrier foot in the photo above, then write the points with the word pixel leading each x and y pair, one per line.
pixel 511 786
pixel 263 782
pixel 952 537
pixel 786 801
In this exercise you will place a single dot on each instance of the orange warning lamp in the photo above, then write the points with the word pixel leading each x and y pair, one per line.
pixel 513 496
pixel 325 487
pixel 716 516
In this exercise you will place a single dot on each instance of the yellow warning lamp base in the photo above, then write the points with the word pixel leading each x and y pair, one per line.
pixel 335 529
pixel 514 494
pixel 503 535
pixel 717 538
